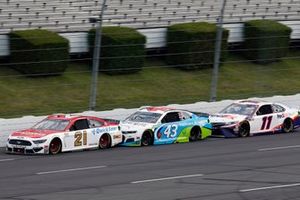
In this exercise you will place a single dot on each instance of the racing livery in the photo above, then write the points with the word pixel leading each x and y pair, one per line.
pixel 60 133
pixel 163 125
pixel 249 117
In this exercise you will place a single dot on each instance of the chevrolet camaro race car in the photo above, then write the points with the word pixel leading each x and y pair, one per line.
pixel 60 133
pixel 248 117
pixel 163 125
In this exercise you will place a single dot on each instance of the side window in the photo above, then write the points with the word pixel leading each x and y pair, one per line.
pixel 264 110
pixel 184 116
pixel 171 117
pixel 277 108
pixel 94 123
pixel 80 125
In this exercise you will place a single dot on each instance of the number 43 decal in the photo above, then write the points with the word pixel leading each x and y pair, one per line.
pixel 171 131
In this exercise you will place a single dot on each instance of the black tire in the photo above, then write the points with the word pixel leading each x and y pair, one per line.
pixel 55 146
pixel 147 138
pixel 244 129
pixel 195 134
pixel 288 125
pixel 104 141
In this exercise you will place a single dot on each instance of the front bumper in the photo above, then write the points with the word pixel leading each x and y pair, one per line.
pixel 221 130
pixel 130 140
pixel 23 146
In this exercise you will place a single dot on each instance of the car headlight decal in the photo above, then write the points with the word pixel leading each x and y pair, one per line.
pixel 39 141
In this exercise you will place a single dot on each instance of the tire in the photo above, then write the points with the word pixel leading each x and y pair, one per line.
pixel 55 146
pixel 288 125
pixel 147 139
pixel 195 134
pixel 244 129
pixel 104 142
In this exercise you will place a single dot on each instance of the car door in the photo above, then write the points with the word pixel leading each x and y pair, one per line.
pixel 171 128
pixel 79 134
pixel 263 120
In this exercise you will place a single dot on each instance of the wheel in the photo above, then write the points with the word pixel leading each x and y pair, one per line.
pixel 244 130
pixel 55 146
pixel 104 141
pixel 195 134
pixel 147 139
pixel 288 125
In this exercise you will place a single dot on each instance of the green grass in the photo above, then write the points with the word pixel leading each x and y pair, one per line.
pixel 157 84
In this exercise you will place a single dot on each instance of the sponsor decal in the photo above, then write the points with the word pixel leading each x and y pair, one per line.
pixel 117 136
pixel 280 116
pixel 104 130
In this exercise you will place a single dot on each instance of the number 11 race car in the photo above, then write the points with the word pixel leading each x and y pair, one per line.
pixel 163 125
pixel 60 133
pixel 248 117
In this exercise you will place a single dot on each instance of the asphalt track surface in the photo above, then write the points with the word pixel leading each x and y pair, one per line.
pixel 260 168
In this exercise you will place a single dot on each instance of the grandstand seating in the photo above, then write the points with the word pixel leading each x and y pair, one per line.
pixel 73 15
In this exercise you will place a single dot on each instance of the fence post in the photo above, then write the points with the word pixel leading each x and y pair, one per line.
pixel 96 59
pixel 218 45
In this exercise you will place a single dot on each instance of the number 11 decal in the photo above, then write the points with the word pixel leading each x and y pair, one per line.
pixel 266 123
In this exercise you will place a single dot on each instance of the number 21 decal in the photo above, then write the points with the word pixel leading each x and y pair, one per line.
pixel 80 138
pixel 266 123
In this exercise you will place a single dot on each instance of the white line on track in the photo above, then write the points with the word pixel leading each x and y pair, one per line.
pixel 8 159
pixel 70 170
pixel 279 148
pixel 271 187
pixel 167 178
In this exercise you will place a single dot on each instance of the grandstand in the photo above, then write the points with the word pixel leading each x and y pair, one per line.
pixel 65 16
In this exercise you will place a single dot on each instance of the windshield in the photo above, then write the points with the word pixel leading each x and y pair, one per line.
pixel 147 117
pixel 240 109
pixel 52 124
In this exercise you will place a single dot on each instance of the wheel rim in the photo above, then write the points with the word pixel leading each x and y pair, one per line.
pixel 54 147
pixel 194 135
pixel 288 126
pixel 243 131
pixel 104 141
pixel 146 139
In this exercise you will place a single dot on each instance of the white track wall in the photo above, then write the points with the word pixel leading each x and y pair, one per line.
pixel 10 125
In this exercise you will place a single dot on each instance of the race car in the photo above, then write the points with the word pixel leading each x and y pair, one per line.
pixel 61 133
pixel 163 125
pixel 249 117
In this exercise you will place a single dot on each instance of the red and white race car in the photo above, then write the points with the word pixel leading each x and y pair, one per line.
pixel 60 133
pixel 248 117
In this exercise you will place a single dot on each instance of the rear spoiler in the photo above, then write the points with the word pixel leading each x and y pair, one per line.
pixel 111 120
pixel 201 114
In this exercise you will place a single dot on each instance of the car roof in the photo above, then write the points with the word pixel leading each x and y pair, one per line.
pixel 65 116
pixel 156 109
pixel 253 102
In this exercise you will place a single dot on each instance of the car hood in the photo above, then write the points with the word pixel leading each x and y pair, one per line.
pixel 33 133
pixel 128 126
pixel 224 118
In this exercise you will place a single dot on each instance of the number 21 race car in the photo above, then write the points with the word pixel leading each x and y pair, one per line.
pixel 248 117
pixel 60 133
pixel 163 125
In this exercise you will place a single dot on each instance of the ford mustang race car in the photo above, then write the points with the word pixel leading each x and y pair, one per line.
pixel 248 117
pixel 163 125
pixel 60 133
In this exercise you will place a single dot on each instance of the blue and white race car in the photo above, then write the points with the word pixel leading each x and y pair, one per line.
pixel 163 125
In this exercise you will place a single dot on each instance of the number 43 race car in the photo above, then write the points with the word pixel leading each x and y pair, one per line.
pixel 163 125
pixel 60 133
pixel 248 117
